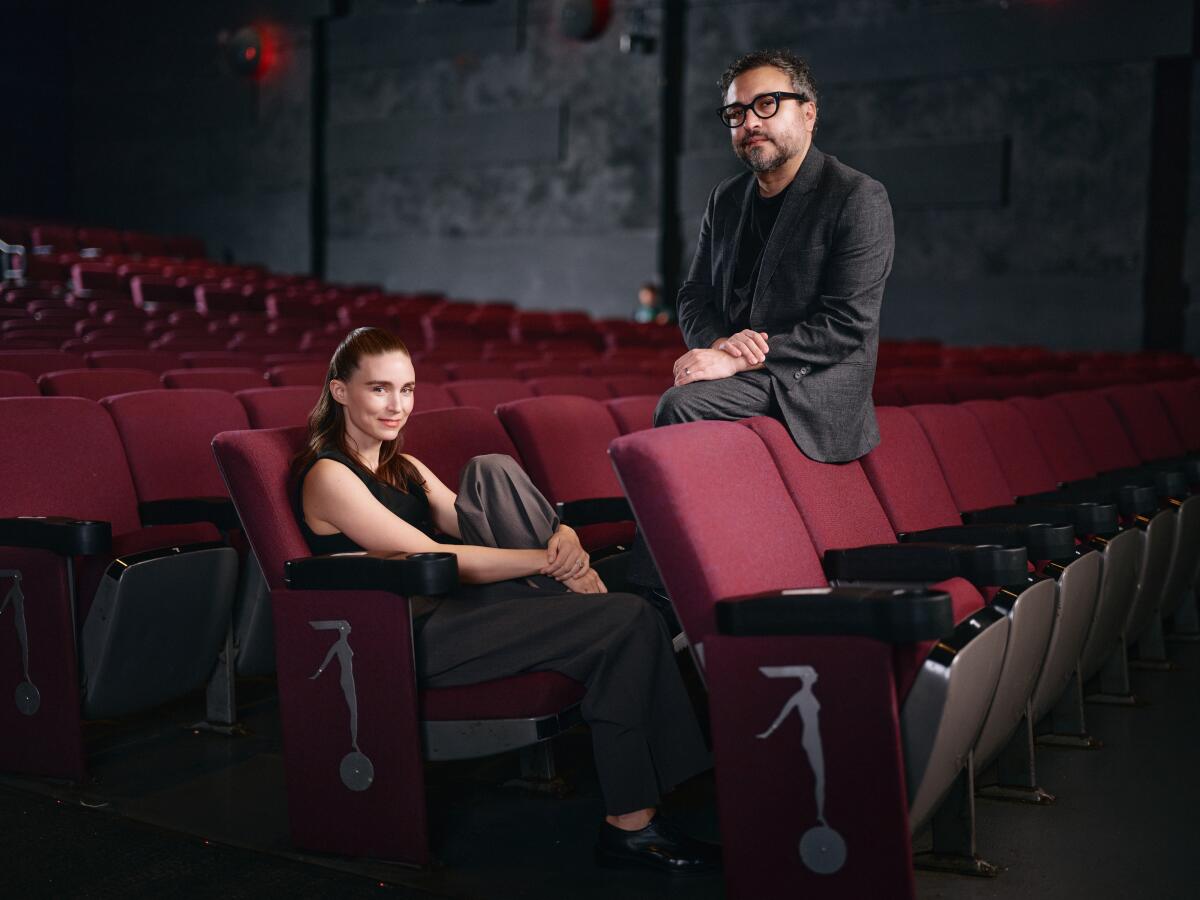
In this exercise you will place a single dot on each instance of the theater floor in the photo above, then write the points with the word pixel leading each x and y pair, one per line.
pixel 175 813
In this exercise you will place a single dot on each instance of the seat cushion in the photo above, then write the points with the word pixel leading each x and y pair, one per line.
pixel 518 697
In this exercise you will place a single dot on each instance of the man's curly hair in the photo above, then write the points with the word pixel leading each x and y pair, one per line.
pixel 786 61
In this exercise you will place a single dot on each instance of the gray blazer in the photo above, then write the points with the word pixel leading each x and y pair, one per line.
pixel 818 297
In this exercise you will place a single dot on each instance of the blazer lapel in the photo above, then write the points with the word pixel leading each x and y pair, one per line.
pixel 793 208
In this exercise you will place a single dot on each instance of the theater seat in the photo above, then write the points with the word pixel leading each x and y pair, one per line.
pixel 17 384
pixel 563 443
pixel 278 407
pixel 487 393
pixel 369 802
pixel 569 385
pixel 873 765
pixel 223 379
pixel 100 639
pixel 447 439
pixel 632 413
pixel 97 383
pixel 292 374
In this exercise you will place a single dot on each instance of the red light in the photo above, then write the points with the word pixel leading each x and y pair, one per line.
pixel 251 52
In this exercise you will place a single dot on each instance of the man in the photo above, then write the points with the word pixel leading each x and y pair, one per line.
pixel 781 305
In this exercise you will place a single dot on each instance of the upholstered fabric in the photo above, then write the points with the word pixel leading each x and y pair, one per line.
pixel 487 393
pixel 1099 429
pixel 1141 411
pixel 476 369
pixel 291 374
pixel 150 360
pixel 95 384
pixel 446 439
pixel 632 413
pixel 905 475
pixel 278 407
pixel 573 385
pixel 167 436
pixel 225 379
pixel 38 362
pixel 61 456
pixel 1015 446
pixel 1060 445
pixel 965 456
pixel 17 384
pixel 563 442
pixel 635 385
pixel 1182 401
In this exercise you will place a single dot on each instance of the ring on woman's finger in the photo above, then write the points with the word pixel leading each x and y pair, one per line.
pixel 687 371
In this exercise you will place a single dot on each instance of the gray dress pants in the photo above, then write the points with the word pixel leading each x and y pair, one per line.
pixel 645 738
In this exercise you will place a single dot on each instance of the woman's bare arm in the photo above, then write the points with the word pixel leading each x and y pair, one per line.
pixel 441 500
pixel 335 499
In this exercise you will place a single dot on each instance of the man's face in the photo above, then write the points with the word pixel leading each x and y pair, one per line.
pixel 766 144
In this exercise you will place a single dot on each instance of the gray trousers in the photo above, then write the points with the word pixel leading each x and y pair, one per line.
pixel 644 732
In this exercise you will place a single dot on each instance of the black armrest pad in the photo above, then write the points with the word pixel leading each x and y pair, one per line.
pixel 1042 540
pixel 894 562
pixel 897 616
pixel 184 510
pixel 983 566
pixel 400 573
pixel 594 511
pixel 1086 517
pixel 71 537
pixel 1131 499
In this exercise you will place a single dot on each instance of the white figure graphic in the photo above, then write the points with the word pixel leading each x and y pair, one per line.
pixel 822 849
pixel 28 698
pixel 356 769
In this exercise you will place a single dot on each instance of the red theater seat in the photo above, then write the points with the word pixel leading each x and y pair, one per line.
pixel 292 374
pixel 487 393
pixel 95 384
pixel 223 379
pixel 17 384
pixel 278 407
pixel 569 385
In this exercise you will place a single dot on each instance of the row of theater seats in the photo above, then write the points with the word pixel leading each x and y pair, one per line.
pixel 1047 599
pixel 51 238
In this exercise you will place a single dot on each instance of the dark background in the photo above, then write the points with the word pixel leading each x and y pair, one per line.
pixel 1040 155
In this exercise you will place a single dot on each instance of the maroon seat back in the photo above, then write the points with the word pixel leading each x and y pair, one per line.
pixel 637 385
pixel 632 413
pixel 38 362
pixel 291 374
pixel 965 456
pixel 1142 413
pixel 569 385
pixel 278 407
pixel 906 477
pixel 1058 440
pixel 563 442
pixel 446 439
pixel 923 390
pixel 487 393
pixel 1100 431
pixel 149 360
pixel 1181 398
pixel 17 384
pixel 168 435
pixel 230 379
pixel 255 466
pixel 431 395
pixel 61 456
pixel 95 384
pixel 477 368
pixel 1015 446
pixel 887 393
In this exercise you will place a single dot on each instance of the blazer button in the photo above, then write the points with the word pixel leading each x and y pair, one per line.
pixel 804 370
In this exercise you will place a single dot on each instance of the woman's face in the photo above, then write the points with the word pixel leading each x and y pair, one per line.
pixel 378 397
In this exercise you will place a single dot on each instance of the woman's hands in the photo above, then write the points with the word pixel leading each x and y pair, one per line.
pixel 565 557
pixel 587 583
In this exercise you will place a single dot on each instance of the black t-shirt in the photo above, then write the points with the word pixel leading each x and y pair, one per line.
pixel 757 231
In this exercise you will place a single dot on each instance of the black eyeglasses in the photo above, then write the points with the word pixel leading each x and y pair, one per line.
pixel 764 106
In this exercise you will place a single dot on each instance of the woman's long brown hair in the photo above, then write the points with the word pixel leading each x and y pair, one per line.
pixel 327 421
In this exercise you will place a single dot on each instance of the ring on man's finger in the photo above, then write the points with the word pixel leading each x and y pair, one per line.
pixel 687 371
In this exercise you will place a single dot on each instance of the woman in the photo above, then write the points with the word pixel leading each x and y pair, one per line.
pixel 530 601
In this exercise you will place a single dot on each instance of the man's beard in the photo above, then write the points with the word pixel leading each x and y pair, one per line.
pixel 760 160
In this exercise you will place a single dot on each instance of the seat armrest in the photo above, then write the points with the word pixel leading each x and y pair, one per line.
pixel 401 573
pixel 895 616
pixel 185 510
pixel 983 566
pixel 70 537
pixel 1041 539
pixel 594 511
pixel 1087 517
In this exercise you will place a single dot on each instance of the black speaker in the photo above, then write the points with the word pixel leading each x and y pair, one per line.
pixel 584 20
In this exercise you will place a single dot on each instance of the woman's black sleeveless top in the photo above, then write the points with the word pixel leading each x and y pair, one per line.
pixel 412 507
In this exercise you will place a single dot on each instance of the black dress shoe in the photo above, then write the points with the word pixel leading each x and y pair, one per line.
pixel 657 846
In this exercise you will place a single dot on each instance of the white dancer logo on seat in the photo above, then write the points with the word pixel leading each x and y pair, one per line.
pixel 356 769
pixel 28 698
pixel 822 849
